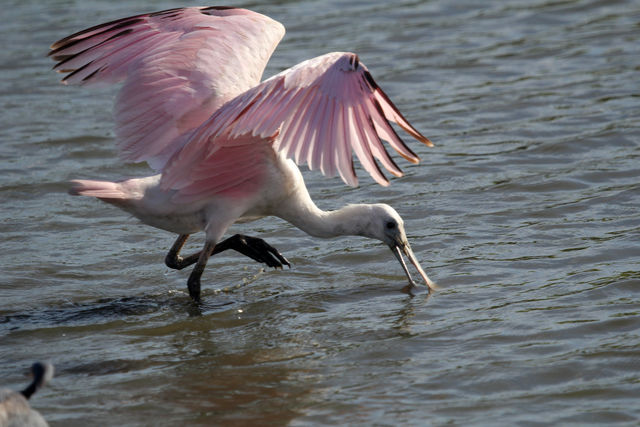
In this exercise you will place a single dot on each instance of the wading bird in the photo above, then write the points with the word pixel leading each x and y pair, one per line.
pixel 14 406
pixel 224 145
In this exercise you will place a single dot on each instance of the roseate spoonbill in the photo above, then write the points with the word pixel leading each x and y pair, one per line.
pixel 225 146
pixel 14 406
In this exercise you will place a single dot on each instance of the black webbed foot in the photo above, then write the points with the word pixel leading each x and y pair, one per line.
pixel 255 248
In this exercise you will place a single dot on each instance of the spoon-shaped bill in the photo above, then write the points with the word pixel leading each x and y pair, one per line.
pixel 398 249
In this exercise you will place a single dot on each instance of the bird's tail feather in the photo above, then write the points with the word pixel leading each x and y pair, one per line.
pixel 99 189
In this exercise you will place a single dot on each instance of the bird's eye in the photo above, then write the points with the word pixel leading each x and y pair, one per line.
pixel 391 225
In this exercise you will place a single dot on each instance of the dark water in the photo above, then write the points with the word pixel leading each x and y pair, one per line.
pixel 526 213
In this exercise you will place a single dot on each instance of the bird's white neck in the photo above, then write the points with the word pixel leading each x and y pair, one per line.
pixel 350 220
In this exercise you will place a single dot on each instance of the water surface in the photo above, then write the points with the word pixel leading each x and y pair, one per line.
pixel 526 213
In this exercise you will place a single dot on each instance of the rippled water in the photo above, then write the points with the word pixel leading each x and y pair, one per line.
pixel 526 212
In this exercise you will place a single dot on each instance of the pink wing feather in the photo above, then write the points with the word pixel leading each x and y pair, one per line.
pixel 322 110
pixel 192 106
pixel 178 67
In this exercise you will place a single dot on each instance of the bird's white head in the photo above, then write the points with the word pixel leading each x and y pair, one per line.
pixel 385 224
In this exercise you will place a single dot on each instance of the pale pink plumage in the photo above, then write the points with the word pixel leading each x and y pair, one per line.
pixel 99 189
pixel 178 67
pixel 322 109
pixel 193 107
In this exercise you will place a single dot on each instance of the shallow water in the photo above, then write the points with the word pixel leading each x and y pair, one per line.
pixel 526 213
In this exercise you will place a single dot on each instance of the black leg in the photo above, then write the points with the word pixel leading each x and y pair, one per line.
pixel 252 247
pixel 194 278
pixel 173 258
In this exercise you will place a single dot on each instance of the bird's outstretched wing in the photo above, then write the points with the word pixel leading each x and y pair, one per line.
pixel 322 110
pixel 178 67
